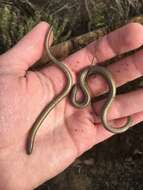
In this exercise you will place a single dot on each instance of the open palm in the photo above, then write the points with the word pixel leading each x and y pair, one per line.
pixel 67 132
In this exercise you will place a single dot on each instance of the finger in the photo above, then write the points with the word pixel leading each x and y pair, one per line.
pixel 123 71
pixel 27 51
pixel 123 105
pixel 115 43
pixel 102 134
pixel 90 134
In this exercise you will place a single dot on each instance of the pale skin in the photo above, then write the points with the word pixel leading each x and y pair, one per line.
pixel 67 132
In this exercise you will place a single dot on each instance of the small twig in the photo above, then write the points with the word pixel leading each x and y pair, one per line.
pixel 66 6
pixel 89 14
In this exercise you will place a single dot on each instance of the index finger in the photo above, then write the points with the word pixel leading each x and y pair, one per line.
pixel 120 41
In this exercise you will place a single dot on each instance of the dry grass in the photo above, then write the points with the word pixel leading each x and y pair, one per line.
pixel 69 18
pixel 120 11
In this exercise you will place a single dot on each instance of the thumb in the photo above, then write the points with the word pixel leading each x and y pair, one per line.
pixel 27 51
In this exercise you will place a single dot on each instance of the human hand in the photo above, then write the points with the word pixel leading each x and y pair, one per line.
pixel 67 131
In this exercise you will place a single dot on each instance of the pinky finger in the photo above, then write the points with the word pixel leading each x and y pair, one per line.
pixel 103 134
